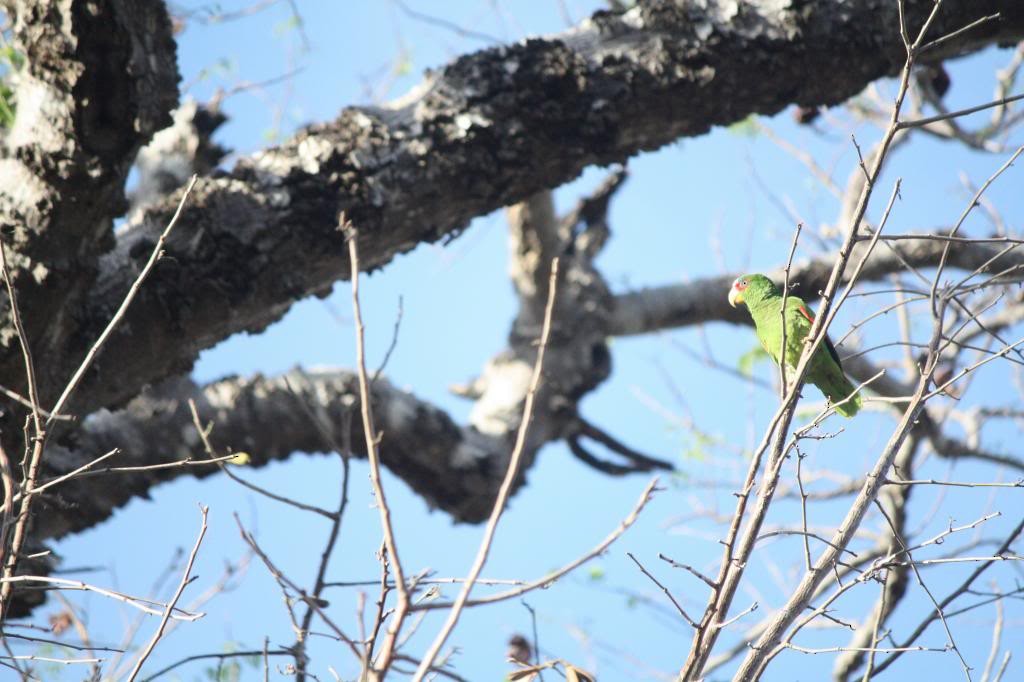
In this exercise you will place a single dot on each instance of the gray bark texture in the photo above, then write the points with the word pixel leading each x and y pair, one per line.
pixel 490 129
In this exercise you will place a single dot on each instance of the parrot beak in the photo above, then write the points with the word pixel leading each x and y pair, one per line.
pixel 735 296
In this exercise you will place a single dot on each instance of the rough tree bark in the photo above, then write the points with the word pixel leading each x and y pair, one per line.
pixel 99 80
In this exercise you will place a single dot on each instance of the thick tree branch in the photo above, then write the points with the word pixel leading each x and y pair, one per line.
pixel 98 80
pixel 489 129
pixel 454 468
pixel 704 300
pixel 175 154
pixel 422 444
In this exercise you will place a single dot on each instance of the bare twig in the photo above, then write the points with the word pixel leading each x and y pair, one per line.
pixel 880 614
pixel 345 453
pixel 216 657
pixel 963 217
pixel 920 581
pixel 997 633
pixel 287 583
pixel 960 590
pixel 503 492
pixel 204 437
pixel 664 589
pixel 158 252
pixel 387 651
pixel 690 569
pixel 551 577
pixel 782 310
pixel 185 580
pixel 903 125
pixel 135 602
pixel 34 444
pixel 39 437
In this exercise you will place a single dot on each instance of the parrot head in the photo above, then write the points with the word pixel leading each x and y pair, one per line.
pixel 751 287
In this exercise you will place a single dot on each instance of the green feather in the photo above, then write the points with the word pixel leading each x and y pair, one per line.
pixel 764 301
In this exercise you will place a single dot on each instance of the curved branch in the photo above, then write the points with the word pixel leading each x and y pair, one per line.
pixel 456 468
pixel 268 418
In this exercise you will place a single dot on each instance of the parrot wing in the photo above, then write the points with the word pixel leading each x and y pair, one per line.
pixel 828 376
pixel 803 310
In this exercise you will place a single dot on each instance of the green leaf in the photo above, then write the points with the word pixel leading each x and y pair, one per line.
pixel 10 61
pixel 6 106
pixel 240 459
pixel 745 128
pixel 695 452
pixel 698 446
pixel 11 57
pixel 223 67
pixel 746 363
pixel 287 26
pixel 403 66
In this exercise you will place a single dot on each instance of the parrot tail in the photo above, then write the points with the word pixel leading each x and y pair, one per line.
pixel 839 390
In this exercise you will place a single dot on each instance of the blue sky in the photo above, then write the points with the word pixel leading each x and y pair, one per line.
pixel 696 208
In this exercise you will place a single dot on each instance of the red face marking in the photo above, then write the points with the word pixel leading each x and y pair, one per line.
pixel 740 284
pixel 806 313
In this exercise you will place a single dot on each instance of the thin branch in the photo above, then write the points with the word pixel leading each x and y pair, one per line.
pixel 551 577
pixel 920 581
pixel 154 257
pixel 664 589
pixel 445 24
pixel 686 567
pixel 503 492
pixel 883 609
pixel 373 455
pixel 287 583
pixel 782 310
pixel 873 650
pixel 185 580
pixel 641 462
pixel 903 125
pixel 219 657
pixel 10 553
pixel 204 437
pixel 142 604
pixel 957 33
pixel 345 453
pixel 803 507
pixel 961 589
pixel 26 349
pixel 1019 483
pixel 71 474
pixel 963 216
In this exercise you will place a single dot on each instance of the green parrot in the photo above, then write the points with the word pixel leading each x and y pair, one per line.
pixel 764 301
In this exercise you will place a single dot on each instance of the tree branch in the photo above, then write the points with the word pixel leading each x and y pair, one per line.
pixel 702 300
pixel 480 133
pixel 98 81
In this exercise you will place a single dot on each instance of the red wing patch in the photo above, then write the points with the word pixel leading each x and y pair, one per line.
pixel 828 342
